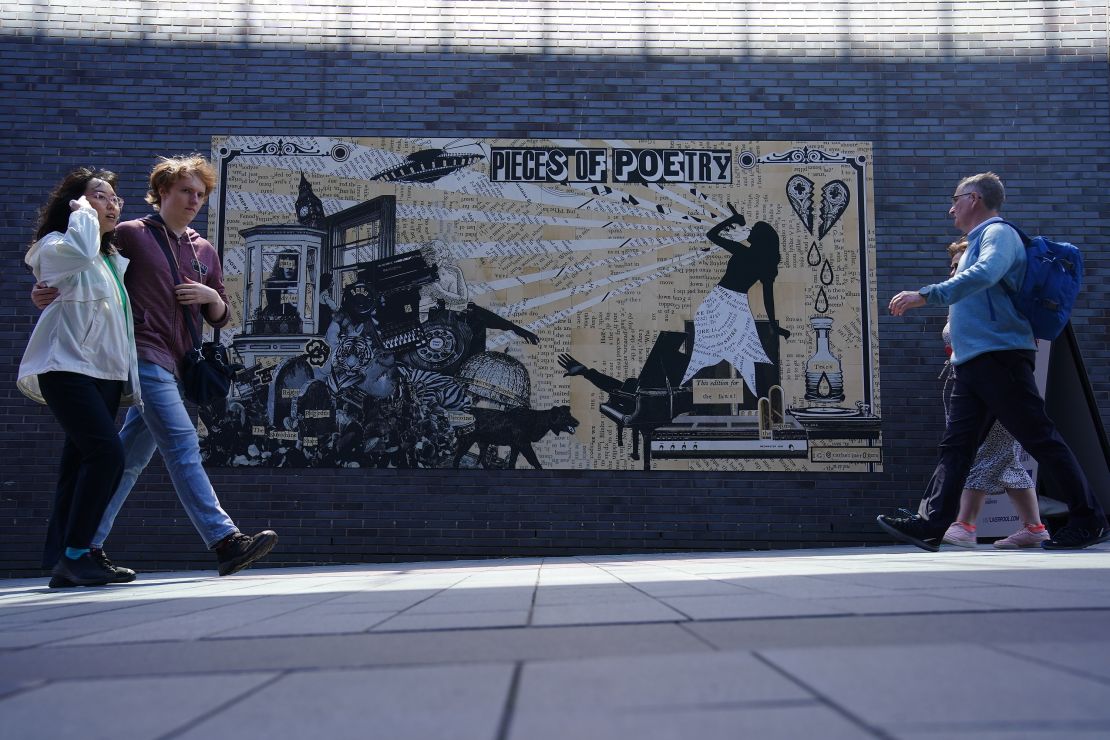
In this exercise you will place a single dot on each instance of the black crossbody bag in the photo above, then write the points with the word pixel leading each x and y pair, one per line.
pixel 208 372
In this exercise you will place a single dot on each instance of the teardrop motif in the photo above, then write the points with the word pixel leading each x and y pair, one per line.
pixel 821 305
pixel 826 274
pixel 814 256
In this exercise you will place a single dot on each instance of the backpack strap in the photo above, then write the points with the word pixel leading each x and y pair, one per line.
pixel 163 242
pixel 1025 241
pixel 1024 237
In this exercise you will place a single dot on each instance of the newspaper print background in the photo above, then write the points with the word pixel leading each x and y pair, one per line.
pixel 607 304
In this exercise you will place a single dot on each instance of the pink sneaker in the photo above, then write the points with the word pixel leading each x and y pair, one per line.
pixel 1022 538
pixel 957 535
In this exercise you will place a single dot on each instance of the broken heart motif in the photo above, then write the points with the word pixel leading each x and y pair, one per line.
pixel 834 201
pixel 799 190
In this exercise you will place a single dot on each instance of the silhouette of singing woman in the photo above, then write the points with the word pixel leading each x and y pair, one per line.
pixel 724 327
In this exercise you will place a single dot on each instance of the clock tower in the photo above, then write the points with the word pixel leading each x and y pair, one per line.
pixel 310 210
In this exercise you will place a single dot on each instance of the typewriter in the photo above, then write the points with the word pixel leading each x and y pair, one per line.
pixel 396 281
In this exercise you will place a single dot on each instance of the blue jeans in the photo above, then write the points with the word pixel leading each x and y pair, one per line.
pixel 164 423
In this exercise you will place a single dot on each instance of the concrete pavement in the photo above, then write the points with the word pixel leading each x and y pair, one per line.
pixel 885 642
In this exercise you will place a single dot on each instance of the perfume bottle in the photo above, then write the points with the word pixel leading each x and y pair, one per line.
pixel 824 375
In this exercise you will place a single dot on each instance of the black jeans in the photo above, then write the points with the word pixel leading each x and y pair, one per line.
pixel 1001 386
pixel 92 457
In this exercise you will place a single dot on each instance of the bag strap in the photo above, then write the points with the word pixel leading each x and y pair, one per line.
pixel 163 241
pixel 1024 238
pixel 1025 241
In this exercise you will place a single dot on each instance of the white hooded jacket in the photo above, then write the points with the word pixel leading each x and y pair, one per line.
pixel 88 328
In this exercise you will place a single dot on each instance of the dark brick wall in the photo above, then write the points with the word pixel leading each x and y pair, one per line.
pixel 942 89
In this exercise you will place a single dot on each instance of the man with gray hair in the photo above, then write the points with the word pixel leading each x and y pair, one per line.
pixel 993 355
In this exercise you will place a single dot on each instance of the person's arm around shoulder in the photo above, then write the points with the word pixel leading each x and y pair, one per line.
pixel 42 295
pixel 127 236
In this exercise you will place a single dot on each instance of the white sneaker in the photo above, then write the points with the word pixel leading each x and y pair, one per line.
pixel 1022 538
pixel 958 536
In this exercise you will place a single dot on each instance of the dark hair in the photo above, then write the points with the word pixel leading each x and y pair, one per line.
pixel 54 216
pixel 764 241
pixel 764 235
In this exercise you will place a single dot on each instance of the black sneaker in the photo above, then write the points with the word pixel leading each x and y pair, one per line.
pixel 237 551
pixel 60 582
pixel 912 529
pixel 1076 535
pixel 123 575
pixel 84 571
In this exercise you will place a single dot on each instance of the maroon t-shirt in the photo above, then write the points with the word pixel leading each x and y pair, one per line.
pixel 161 335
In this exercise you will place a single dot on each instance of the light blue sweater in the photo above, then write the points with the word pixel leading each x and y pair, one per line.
pixel 982 317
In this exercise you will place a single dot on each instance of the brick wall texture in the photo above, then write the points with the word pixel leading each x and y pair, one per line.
pixel 942 88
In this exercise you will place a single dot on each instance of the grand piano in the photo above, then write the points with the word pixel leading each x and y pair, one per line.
pixel 652 404
pixel 651 400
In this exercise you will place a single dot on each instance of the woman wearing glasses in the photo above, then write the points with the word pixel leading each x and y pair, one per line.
pixel 81 362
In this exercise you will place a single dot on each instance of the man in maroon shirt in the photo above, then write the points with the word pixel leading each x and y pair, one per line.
pixel 178 189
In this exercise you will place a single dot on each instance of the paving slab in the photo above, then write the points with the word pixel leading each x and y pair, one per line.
pixel 720 695
pixel 153 706
pixel 199 622
pixel 843 643
pixel 11 685
pixel 1090 658
pixel 332 618
pixel 1014 731
pixel 1026 628
pixel 455 620
pixel 303 652
pixel 748 606
pixel 941 687
pixel 763 721
pixel 410 703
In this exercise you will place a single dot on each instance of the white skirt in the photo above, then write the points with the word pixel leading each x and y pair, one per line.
pixel 725 330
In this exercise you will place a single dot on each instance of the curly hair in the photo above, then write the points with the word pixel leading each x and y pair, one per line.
pixel 171 169
pixel 957 246
pixel 54 215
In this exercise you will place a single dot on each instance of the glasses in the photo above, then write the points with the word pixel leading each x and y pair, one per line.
pixel 957 197
pixel 105 198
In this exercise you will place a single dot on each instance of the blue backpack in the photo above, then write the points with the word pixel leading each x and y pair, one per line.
pixel 1053 274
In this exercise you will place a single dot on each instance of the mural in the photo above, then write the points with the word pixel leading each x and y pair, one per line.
pixel 485 303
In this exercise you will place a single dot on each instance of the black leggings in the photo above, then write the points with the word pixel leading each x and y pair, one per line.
pixel 92 458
